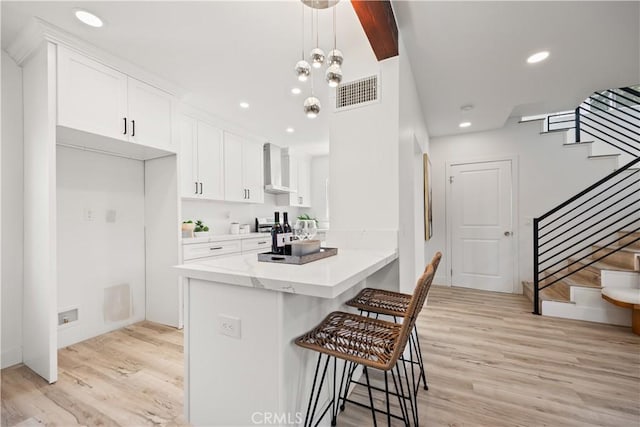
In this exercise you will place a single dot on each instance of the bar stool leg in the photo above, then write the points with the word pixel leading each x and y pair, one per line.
pixel 309 416
pixel 401 400
pixel 386 392
pixel 420 359
pixel 373 409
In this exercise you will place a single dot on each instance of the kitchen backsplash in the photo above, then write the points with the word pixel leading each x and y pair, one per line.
pixel 219 215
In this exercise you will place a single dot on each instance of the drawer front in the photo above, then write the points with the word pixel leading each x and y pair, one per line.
pixel 202 250
pixel 260 243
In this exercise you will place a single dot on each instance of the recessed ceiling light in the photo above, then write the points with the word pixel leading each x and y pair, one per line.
pixel 290 130
pixel 296 91
pixel 88 18
pixel 537 57
pixel 465 124
pixel 467 107
pixel 244 104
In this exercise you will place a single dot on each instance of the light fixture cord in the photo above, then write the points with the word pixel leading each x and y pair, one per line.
pixel 334 27
pixel 317 32
pixel 302 51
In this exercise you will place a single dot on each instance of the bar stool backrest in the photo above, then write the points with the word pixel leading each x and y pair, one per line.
pixel 417 301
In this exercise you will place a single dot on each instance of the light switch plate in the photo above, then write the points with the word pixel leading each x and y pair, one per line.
pixel 229 326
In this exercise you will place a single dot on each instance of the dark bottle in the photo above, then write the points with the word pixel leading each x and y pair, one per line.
pixel 277 246
pixel 287 233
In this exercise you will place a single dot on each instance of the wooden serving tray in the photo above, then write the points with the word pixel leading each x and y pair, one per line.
pixel 297 260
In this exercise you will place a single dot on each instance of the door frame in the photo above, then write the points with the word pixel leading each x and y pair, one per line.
pixel 515 214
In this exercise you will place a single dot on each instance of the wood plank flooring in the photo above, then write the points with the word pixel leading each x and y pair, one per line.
pixel 489 363
pixel 130 377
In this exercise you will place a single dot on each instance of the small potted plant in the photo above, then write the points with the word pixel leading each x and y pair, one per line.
pixel 201 230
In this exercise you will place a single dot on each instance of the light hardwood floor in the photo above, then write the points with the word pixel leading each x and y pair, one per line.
pixel 489 363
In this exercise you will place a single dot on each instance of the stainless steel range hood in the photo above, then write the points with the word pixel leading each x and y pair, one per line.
pixel 273 170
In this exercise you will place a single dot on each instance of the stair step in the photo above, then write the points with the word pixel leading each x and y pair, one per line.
pixel 577 144
pixel 623 258
pixel 590 275
pixel 604 156
pixel 630 238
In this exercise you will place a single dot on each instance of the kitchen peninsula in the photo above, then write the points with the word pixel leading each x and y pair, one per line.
pixel 241 317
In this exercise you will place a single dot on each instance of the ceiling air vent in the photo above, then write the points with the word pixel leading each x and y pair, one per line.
pixel 357 93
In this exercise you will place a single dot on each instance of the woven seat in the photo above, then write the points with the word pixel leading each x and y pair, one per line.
pixel 381 301
pixel 371 343
pixel 355 338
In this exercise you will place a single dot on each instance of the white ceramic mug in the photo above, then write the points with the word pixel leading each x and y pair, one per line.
pixel 235 228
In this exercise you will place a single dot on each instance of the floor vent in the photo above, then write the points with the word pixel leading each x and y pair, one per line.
pixel 357 93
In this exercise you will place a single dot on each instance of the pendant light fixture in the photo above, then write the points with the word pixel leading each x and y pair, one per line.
pixel 333 75
pixel 312 105
pixel 317 55
pixel 303 69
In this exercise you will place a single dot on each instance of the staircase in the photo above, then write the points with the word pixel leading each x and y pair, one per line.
pixel 592 240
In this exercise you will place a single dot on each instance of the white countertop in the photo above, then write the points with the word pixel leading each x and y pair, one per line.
pixel 326 278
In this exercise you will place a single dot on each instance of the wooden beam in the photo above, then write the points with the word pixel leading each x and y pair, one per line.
pixel 379 24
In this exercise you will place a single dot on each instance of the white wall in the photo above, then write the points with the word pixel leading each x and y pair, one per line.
pixel 414 141
pixel 12 212
pixel 319 180
pixel 218 215
pixel 97 254
pixel 548 174
pixel 363 154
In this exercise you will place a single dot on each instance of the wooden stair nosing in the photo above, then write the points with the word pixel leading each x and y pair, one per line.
pixel 599 265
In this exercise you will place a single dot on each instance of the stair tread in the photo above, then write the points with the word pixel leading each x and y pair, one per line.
pixel 627 248
pixel 603 156
pixel 577 144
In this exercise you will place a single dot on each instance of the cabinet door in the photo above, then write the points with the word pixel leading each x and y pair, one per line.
pixel 188 155
pixel 234 190
pixel 293 181
pixel 150 112
pixel 91 96
pixel 210 162
pixel 304 182
pixel 253 171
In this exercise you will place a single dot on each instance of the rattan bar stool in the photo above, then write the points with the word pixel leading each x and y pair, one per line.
pixel 395 304
pixel 370 343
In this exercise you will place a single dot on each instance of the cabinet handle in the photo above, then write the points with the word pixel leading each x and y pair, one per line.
pixel 125 125
pixel 201 186
pixel 262 243
pixel 216 248
pixel 133 130
pixel 196 188
pixel 249 193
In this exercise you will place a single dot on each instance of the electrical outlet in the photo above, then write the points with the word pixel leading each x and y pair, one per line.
pixel 229 326
pixel 89 214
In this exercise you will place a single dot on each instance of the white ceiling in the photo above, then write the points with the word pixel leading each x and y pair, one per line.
pixel 224 52
pixel 475 53
pixel 221 53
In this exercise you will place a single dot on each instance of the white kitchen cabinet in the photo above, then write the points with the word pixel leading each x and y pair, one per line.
pixel 300 181
pixel 100 100
pixel 201 160
pixel 150 111
pixel 243 165
pixel 91 97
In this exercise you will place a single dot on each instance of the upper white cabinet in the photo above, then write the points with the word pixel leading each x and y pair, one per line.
pixel 102 101
pixel 201 160
pixel 243 165
pixel 91 96
pixel 299 181
pixel 150 113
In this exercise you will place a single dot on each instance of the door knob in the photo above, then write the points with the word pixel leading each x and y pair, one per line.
pixel 508 233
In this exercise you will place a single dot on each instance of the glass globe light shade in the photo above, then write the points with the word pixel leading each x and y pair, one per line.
pixel 312 107
pixel 335 57
pixel 317 57
pixel 333 76
pixel 303 70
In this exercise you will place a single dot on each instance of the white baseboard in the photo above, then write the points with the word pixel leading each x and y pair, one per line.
pixel 11 357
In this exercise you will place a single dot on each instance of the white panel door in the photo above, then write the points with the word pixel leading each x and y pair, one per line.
pixel 253 171
pixel 189 186
pixel 91 96
pixel 234 189
pixel 482 255
pixel 210 162
pixel 150 113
